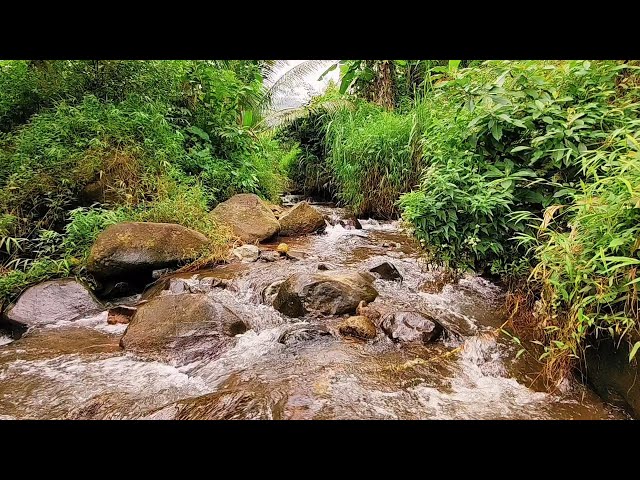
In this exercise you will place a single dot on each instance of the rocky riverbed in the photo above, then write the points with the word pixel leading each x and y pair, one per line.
pixel 340 323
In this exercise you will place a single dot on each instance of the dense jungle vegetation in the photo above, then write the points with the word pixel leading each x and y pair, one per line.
pixel 523 170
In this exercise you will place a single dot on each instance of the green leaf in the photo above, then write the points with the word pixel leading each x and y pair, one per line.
pixel 453 65
pixel 520 148
pixel 634 350
pixel 547 119
pixel 496 131
pixel 199 132
pixel 520 352
pixel 616 242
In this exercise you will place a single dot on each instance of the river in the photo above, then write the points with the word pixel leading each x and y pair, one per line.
pixel 78 370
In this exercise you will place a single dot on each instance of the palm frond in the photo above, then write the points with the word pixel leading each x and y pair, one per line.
pixel 293 77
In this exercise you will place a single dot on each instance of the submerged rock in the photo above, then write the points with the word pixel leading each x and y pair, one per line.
pixel 248 216
pixel 301 219
pixel 410 326
pixel 269 256
pixel 387 271
pixel 359 327
pixel 324 293
pixel 247 253
pixel 187 326
pixel 51 302
pixel 139 248
pixel 303 333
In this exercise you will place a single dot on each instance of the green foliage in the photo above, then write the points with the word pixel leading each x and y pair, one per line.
pixel 504 141
pixel 588 251
pixel 374 156
pixel 90 143
pixel 13 282
pixel 84 227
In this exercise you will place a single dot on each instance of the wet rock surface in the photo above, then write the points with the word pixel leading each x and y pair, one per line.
pixel 386 271
pixel 51 302
pixel 410 326
pixel 184 326
pixel 326 294
pixel 247 253
pixel 359 327
pixel 301 219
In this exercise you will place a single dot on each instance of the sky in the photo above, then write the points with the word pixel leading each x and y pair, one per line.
pixel 301 93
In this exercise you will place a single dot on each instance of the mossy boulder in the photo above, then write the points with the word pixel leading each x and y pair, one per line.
pixel 249 217
pixel 139 248
pixel 301 219
pixel 325 294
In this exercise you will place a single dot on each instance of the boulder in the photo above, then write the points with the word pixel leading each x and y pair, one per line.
pixel 410 326
pixel 301 219
pixel 387 271
pixel 51 302
pixel 185 327
pixel 324 293
pixel 359 327
pixel 247 253
pixel 248 216
pixel 139 248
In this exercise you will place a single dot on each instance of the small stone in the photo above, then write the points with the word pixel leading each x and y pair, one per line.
pixel 283 248
pixel 120 314
pixel 247 253
pixel 269 256
pixel 359 327
pixel 323 266
pixel 156 274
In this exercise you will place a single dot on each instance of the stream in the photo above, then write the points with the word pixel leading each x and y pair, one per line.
pixel 78 370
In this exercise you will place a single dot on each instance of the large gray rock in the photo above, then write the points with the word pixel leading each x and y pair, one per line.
pixel 249 217
pixel 326 294
pixel 301 219
pixel 612 376
pixel 52 301
pixel 410 326
pixel 141 247
pixel 182 327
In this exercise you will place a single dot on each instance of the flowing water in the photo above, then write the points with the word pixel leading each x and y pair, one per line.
pixel 77 369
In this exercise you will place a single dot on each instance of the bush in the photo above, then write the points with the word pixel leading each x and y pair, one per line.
pixel 374 156
pixel 91 143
